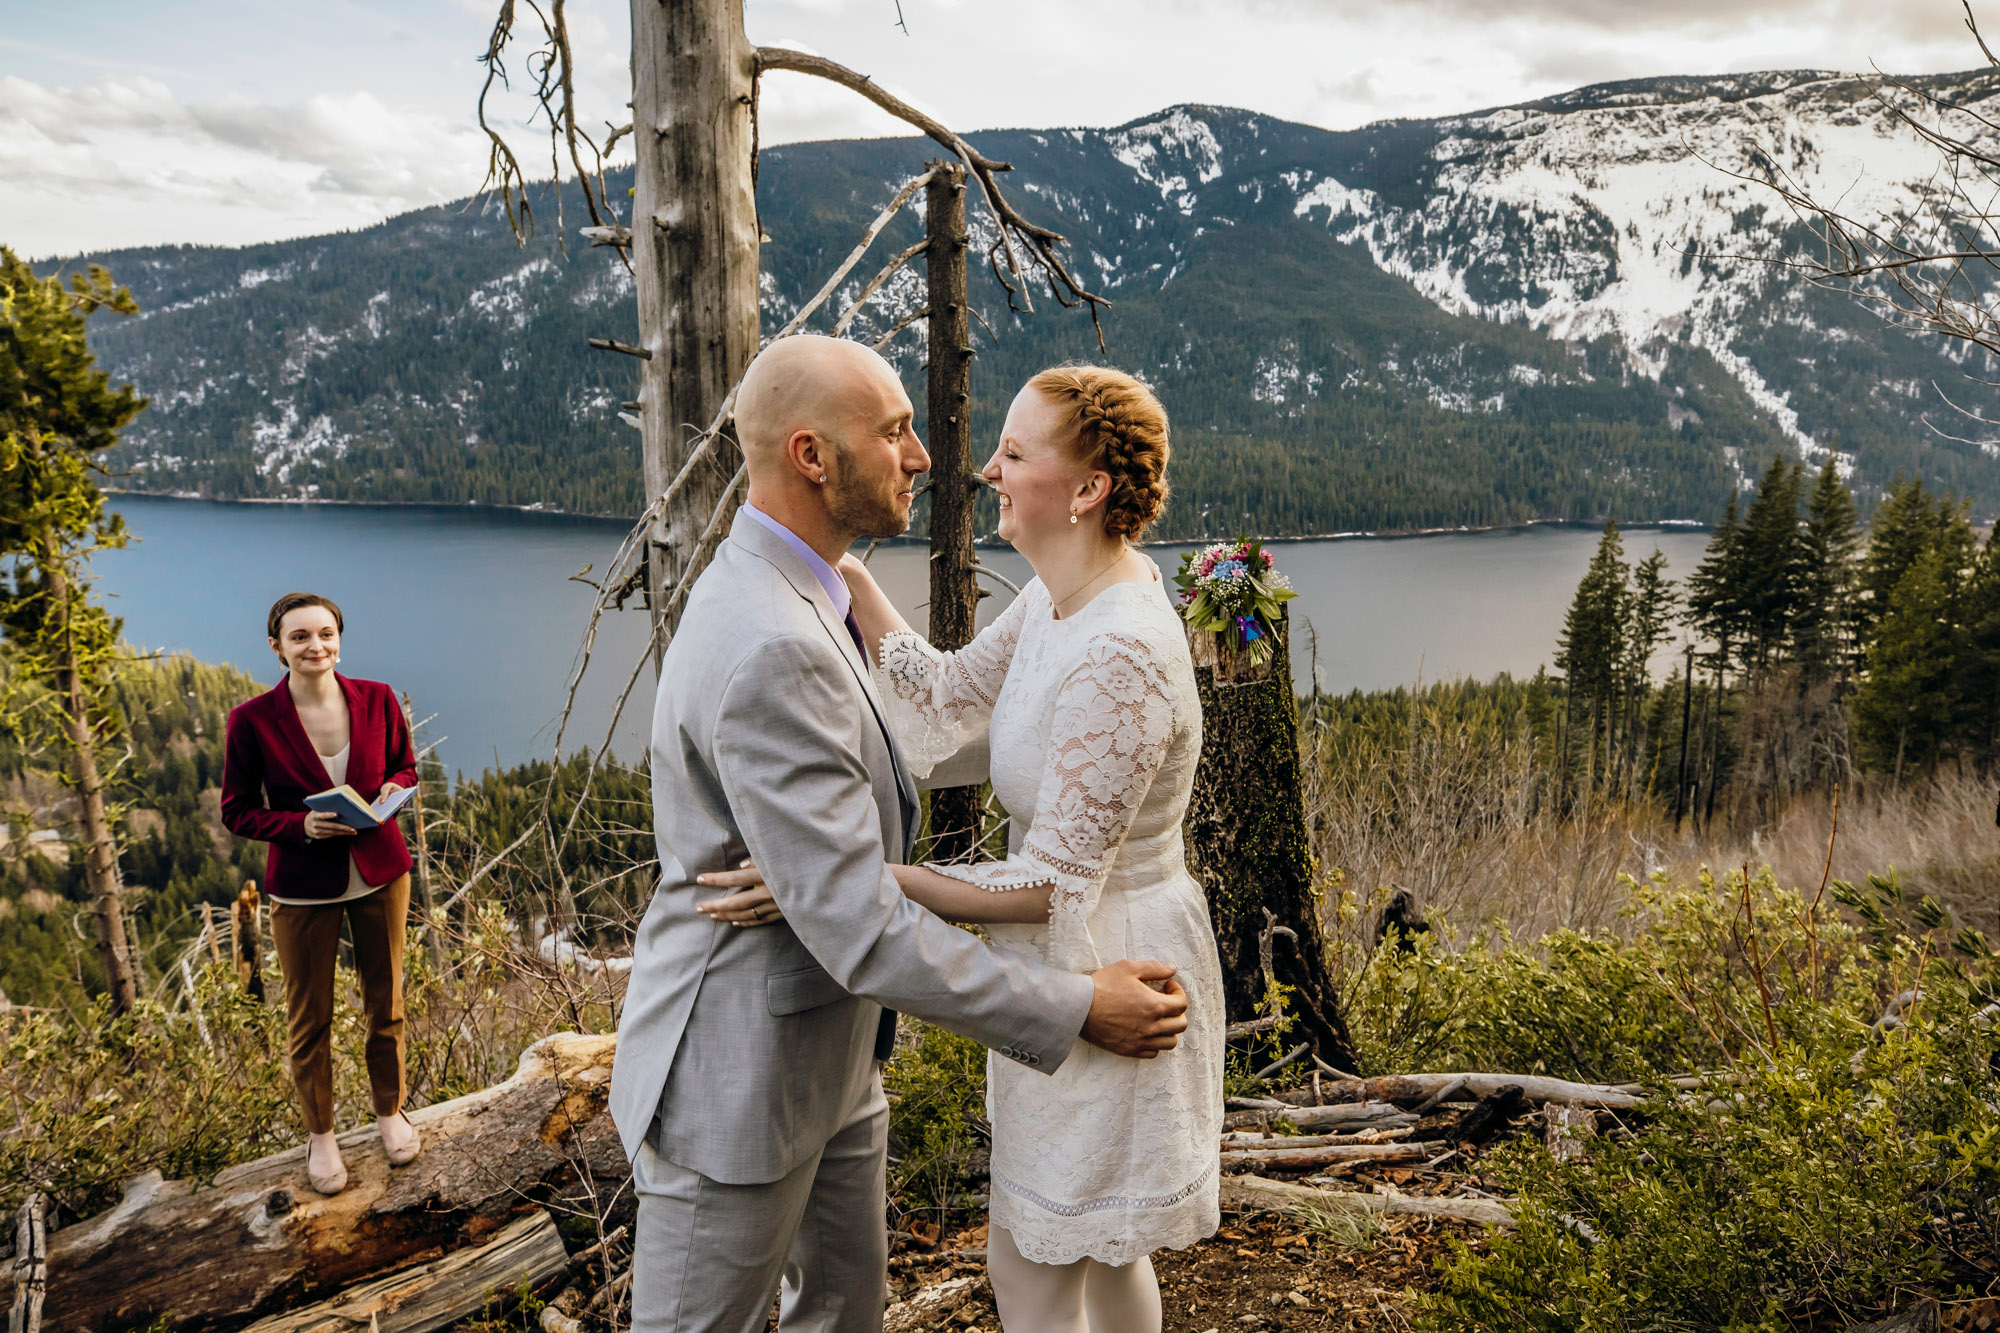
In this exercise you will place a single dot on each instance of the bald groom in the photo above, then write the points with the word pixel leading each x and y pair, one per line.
pixel 746 1088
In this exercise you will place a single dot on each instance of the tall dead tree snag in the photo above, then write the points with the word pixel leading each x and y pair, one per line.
pixel 1246 840
pixel 955 811
pixel 694 261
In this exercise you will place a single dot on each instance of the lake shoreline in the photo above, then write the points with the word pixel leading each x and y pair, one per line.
pixel 539 511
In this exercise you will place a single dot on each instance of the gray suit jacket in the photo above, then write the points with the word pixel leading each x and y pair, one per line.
pixel 768 740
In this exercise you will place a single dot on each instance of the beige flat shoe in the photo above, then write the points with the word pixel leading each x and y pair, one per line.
pixel 326 1176
pixel 400 1141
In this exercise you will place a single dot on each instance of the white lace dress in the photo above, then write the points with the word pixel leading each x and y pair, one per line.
pixel 1095 730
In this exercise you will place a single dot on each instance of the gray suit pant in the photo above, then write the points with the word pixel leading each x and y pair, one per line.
pixel 707 1257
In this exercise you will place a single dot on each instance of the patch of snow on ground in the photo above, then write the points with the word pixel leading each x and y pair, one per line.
pixel 1278 378
pixel 501 300
pixel 257 277
pixel 1177 135
pixel 1594 229
pixel 282 445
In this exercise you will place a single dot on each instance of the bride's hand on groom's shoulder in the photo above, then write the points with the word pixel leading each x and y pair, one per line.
pixel 751 903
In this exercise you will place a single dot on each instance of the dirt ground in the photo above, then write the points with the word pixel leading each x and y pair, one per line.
pixel 1267 1273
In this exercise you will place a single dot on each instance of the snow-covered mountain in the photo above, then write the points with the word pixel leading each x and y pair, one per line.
pixel 1559 309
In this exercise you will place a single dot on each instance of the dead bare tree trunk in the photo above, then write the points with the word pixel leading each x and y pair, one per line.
pixel 100 858
pixel 694 259
pixel 954 586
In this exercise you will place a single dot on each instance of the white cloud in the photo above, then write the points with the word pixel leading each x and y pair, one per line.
pixel 235 131
pixel 122 161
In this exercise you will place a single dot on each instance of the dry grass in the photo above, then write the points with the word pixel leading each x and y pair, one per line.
pixel 1456 813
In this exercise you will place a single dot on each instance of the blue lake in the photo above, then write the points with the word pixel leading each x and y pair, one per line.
pixel 475 612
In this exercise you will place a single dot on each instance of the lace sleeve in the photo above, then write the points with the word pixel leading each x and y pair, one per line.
pixel 1112 723
pixel 937 701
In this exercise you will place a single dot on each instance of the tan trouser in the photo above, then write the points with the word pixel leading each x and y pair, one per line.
pixel 308 940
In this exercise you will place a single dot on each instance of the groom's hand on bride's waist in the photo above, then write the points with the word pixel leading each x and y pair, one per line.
pixel 1136 1009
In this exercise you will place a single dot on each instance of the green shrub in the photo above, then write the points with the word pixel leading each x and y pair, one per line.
pixel 1834 1165
pixel 93 1102
pixel 1822 1189
pixel 937 1116
pixel 1680 992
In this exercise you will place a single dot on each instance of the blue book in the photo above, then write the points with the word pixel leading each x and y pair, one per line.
pixel 345 804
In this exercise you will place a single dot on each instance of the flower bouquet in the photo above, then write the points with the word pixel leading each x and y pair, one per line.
pixel 1234 590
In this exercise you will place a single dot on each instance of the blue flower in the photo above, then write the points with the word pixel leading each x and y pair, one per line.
pixel 1227 569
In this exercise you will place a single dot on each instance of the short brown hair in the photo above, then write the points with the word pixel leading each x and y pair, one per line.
pixel 1117 424
pixel 291 602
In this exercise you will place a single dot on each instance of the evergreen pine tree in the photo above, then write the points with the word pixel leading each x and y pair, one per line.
pixel 58 411
pixel 1904 527
pixel 1592 652
pixel 1649 619
pixel 1823 631
pixel 1904 709
pixel 1977 674
pixel 1715 605
pixel 1769 568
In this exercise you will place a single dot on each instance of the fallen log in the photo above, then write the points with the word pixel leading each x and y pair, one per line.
pixel 1337 1154
pixel 1254 1194
pixel 181 1257
pixel 1354 1115
pixel 1411 1090
pixel 1240 1139
pixel 929 1307
pixel 433 1295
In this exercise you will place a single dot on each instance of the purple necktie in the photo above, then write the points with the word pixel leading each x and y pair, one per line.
pixel 854 628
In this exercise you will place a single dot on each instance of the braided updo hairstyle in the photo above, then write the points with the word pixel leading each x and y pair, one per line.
pixel 1118 425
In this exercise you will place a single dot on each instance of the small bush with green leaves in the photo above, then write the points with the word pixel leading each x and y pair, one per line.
pixel 1705 973
pixel 1829 1185
pixel 937 1116
pixel 1837 1164
pixel 89 1099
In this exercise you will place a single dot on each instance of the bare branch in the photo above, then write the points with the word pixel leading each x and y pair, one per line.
pixel 553 66
pixel 1040 241
pixel 920 313
pixel 889 269
pixel 1916 270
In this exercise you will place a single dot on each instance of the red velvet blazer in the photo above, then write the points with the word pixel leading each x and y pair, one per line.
pixel 269 767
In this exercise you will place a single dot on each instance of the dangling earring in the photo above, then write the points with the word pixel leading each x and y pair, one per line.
pixel 1072 516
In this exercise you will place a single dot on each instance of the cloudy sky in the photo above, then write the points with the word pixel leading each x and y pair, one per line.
pixel 131 122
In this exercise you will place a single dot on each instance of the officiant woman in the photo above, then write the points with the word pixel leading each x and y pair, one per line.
pixel 316 730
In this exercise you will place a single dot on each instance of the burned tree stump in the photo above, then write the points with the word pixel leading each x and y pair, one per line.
pixel 1246 841
pixel 1495 1111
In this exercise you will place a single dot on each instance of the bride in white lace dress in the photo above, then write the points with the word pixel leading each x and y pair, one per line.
pixel 1086 688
